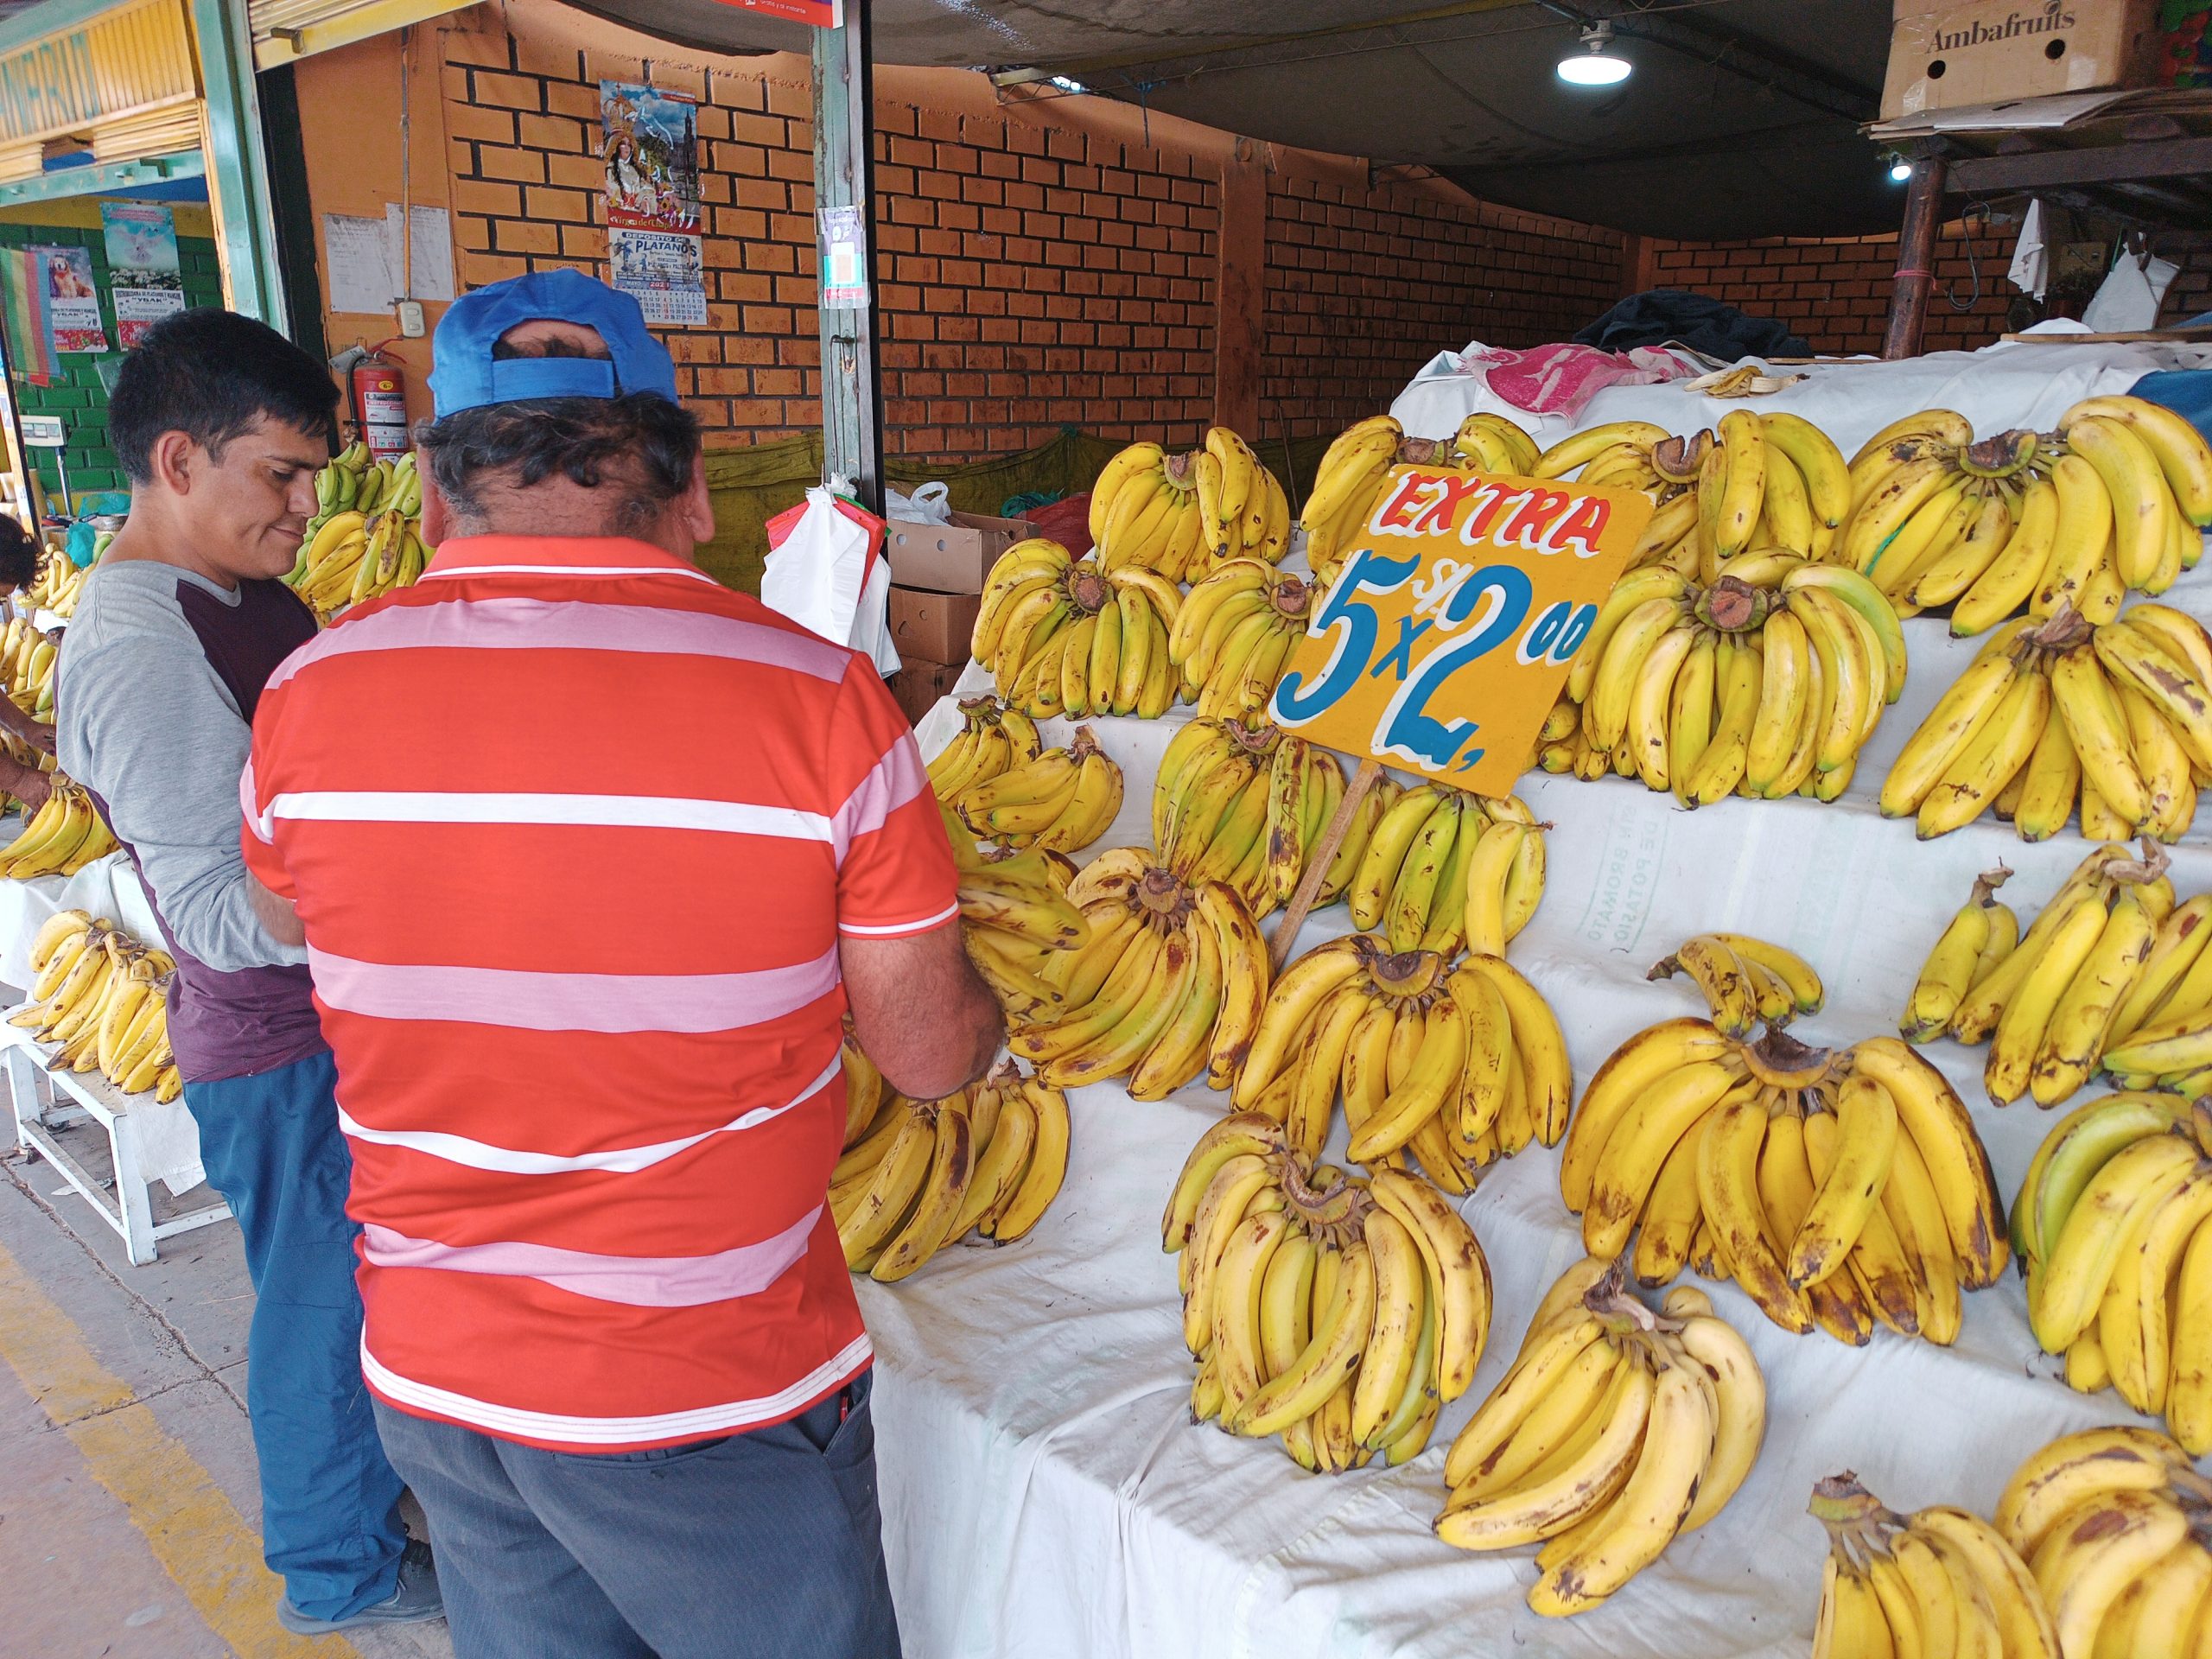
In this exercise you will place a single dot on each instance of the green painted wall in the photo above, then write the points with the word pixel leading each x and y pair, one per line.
pixel 76 395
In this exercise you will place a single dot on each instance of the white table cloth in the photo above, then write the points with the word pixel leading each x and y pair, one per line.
pixel 1044 1490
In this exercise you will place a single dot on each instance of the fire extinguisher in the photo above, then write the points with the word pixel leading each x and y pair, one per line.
pixel 379 401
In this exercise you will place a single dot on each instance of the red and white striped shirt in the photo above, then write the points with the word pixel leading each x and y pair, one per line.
pixel 572 831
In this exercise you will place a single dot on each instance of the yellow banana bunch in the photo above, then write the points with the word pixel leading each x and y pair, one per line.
pixel 102 999
pixel 1342 1314
pixel 1618 1428
pixel 55 586
pixel 1346 484
pixel 1144 511
pixel 2113 1523
pixel 993 739
pixel 1939 519
pixel 1444 870
pixel 1837 1188
pixel 1746 981
pixel 2111 1223
pixel 1067 637
pixel 2090 980
pixel 365 538
pixel 1456 1064
pixel 1350 480
pixel 1242 511
pixel 1766 682
pixel 2115 716
pixel 916 1176
pixel 1763 483
pixel 1167 984
pixel 1063 800
pixel 1016 919
pixel 1236 631
pixel 2116 499
pixel 1902 1583
pixel 1242 802
pixel 30 657
pixel 61 838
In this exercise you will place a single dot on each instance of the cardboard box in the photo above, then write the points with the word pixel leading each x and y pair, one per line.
pixel 952 558
pixel 935 628
pixel 1946 56
pixel 917 686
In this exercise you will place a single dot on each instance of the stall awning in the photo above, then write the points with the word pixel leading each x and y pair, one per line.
pixel 1742 117
pixel 285 30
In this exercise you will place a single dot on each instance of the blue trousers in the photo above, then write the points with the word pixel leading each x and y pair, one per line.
pixel 765 1545
pixel 329 1500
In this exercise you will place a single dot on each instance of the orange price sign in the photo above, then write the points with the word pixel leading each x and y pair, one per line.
pixel 1446 637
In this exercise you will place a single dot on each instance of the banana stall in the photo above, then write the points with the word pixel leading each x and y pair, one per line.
pixel 1706 922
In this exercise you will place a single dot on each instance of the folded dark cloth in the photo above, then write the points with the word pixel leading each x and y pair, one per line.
pixel 1698 321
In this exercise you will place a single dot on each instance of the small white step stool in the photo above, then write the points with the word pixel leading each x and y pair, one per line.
pixel 47 1099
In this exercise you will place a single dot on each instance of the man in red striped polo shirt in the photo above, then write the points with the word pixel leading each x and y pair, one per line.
pixel 591 856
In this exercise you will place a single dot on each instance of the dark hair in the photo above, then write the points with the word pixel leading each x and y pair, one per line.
pixel 213 376
pixel 639 441
pixel 19 553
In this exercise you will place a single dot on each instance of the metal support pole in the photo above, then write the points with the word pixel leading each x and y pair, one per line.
pixel 844 176
pixel 1916 274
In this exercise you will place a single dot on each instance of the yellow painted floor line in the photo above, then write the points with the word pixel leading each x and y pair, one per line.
pixel 194 1531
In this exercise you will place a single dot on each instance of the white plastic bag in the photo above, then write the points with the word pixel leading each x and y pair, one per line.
pixel 816 576
pixel 871 626
pixel 930 504
pixel 2129 298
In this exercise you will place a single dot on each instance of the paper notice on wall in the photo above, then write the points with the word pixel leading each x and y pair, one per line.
pixel 145 277
pixel 365 258
pixel 428 257
pixel 356 258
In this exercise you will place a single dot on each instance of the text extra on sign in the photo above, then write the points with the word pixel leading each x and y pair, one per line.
pixel 1446 638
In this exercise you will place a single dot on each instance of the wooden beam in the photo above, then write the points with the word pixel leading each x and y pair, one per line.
pixel 1915 273
pixel 1240 303
pixel 2036 169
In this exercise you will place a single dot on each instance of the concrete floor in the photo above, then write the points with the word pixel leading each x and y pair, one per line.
pixel 128 1504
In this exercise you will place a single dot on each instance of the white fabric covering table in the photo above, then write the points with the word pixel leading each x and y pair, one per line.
pixel 1044 1490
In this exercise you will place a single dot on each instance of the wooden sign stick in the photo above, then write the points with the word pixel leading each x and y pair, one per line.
pixel 1318 862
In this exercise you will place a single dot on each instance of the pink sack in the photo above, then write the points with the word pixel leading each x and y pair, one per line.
pixel 1561 379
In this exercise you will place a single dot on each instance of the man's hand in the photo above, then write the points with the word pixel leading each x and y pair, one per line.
pixel 277 915
pixel 920 1011
pixel 29 728
pixel 27 784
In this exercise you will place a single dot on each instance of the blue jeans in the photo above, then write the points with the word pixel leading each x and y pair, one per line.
pixel 329 1499
pixel 765 1545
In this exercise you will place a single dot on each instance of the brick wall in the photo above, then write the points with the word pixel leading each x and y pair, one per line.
pixel 77 394
pixel 1031 277
pixel 1364 286
pixel 1835 294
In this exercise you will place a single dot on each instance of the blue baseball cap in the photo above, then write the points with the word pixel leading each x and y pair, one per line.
pixel 465 374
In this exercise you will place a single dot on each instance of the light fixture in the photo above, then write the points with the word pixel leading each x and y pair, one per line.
pixel 1595 66
pixel 1900 170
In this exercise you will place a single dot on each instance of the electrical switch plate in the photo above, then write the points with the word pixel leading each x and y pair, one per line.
pixel 410 319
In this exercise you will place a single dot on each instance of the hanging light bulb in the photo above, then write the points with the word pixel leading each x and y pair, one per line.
pixel 1594 66
pixel 1900 170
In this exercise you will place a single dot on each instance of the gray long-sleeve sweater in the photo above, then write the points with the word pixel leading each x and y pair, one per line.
pixel 155 689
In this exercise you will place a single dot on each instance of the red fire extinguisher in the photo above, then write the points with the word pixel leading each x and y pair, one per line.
pixel 379 403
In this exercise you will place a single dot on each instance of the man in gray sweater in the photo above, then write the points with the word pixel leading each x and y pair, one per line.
pixel 222 424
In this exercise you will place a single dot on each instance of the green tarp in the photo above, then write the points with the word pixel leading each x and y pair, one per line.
pixel 752 486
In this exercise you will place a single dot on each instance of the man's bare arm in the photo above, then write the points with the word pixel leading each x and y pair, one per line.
pixel 920 1011
pixel 275 913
